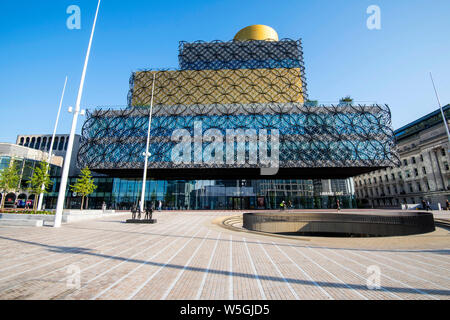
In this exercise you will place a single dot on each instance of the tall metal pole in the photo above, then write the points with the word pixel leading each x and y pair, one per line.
pixel 442 111
pixel 147 154
pixel 65 173
pixel 49 158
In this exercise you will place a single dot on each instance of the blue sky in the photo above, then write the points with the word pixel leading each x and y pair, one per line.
pixel 342 56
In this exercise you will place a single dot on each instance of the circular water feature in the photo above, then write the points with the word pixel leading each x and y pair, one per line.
pixel 371 224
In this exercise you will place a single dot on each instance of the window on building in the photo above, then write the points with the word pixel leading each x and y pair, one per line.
pixel 388 190
pixel 393 176
pixel 428 185
pixel 413 160
pixel 61 144
pixel 424 170
pixel 38 143
pixel 446 165
pixel 410 187
pixel 386 178
pixel 395 190
pixel 421 158
pixel 374 179
pixel 408 173
pixel 55 144
pixel 419 187
pixel 416 172
pixel 443 152
pixel 44 143
pixel 400 176
pixel 405 162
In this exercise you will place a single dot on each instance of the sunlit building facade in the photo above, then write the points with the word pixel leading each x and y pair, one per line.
pixel 233 128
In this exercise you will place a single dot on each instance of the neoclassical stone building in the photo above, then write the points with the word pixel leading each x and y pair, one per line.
pixel 424 171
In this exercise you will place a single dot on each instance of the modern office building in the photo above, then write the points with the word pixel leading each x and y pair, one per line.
pixel 26 159
pixel 233 128
pixel 422 174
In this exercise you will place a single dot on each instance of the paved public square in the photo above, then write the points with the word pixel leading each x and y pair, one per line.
pixel 188 255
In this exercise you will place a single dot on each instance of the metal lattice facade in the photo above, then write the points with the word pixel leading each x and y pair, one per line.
pixel 252 85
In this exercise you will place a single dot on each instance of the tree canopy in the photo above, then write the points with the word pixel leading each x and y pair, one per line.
pixel 40 177
pixel 9 180
pixel 84 184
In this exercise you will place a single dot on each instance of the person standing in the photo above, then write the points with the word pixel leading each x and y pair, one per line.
pixel 338 205
pixel 104 206
pixel 148 213
pixel 133 212
pixel 447 205
pixel 159 205
pixel 139 212
pixel 428 205
pixel 424 204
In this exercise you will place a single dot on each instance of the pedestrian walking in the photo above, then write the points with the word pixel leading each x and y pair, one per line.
pixel 447 205
pixel 159 205
pixel 424 204
pixel 428 205
pixel 338 205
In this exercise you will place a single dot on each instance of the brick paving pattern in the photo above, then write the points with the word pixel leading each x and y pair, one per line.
pixel 187 256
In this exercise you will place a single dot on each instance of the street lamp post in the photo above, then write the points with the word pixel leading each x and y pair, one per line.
pixel 65 173
pixel 49 158
pixel 442 111
pixel 146 153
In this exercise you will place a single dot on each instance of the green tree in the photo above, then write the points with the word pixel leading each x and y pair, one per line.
pixel 346 100
pixel 84 185
pixel 312 103
pixel 9 180
pixel 40 177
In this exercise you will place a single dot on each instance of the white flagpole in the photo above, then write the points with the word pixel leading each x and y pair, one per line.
pixel 49 158
pixel 147 154
pixel 442 111
pixel 65 173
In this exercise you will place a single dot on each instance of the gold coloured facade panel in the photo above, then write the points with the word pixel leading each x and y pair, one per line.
pixel 226 86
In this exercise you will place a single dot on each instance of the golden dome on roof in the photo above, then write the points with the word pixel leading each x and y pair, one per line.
pixel 257 32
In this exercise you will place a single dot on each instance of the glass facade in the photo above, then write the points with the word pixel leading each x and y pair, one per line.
pixel 122 194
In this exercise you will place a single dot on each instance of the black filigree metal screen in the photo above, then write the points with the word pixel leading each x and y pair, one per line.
pixel 254 86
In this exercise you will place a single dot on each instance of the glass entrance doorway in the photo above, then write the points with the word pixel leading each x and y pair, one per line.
pixel 240 203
